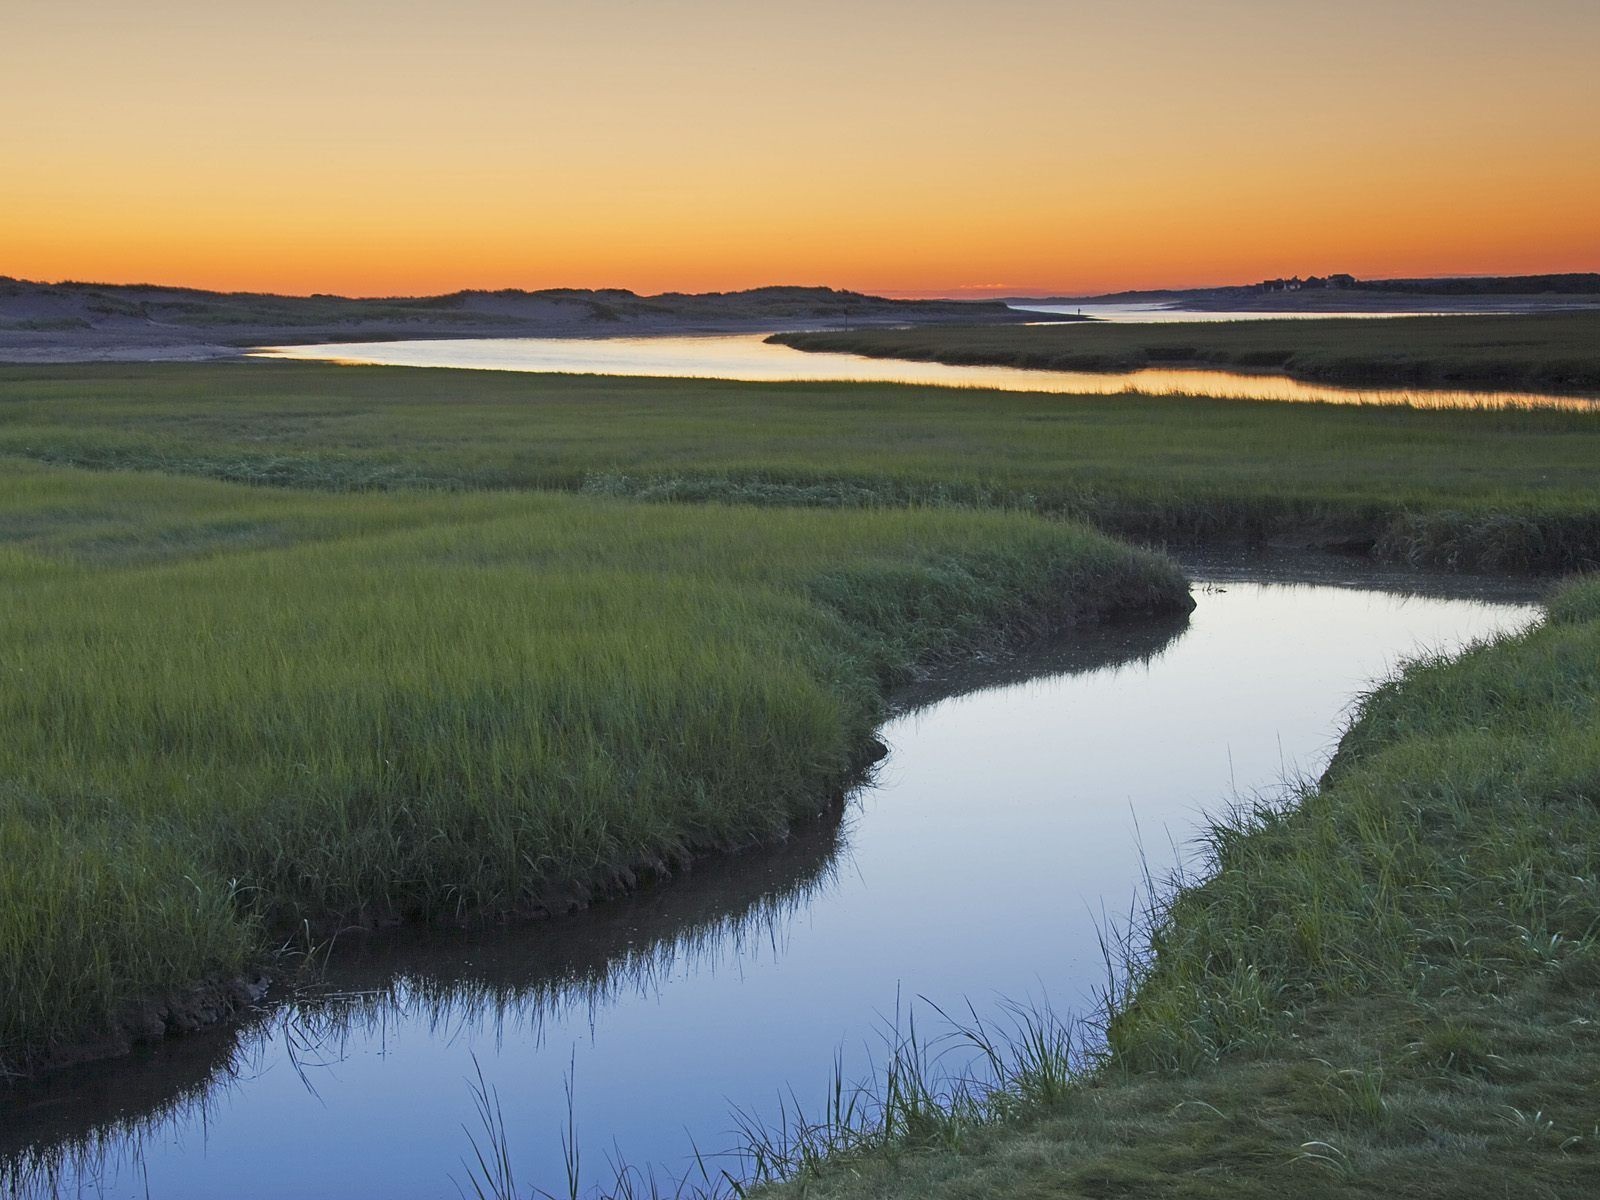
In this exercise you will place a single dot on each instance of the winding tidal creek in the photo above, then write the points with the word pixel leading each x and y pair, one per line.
pixel 750 358
pixel 1014 820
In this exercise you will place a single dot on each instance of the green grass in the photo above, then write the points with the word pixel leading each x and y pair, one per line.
pixel 1387 988
pixel 408 682
pixel 1536 352
pixel 1488 490
pixel 229 710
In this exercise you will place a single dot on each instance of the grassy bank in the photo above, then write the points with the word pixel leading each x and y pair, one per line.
pixel 1487 490
pixel 1533 352
pixel 1387 989
pixel 231 710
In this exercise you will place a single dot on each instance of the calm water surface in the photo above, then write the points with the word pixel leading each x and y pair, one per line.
pixel 1160 313
pixel 748 357
pixel 1008 820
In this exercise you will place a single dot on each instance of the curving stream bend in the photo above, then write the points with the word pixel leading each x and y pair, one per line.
pixel 1019 806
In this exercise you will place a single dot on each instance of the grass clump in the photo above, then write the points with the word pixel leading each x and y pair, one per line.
pixel 229 711
pixel 1508 490
pixel 1385 988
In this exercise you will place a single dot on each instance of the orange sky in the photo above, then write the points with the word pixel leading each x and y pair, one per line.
pixel 1035 145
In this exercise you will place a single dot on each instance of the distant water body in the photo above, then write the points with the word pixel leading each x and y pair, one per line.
pixel 1156 313
pixel 747 357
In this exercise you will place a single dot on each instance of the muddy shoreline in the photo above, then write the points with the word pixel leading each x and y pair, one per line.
pixel 408 990
pixel 213 1002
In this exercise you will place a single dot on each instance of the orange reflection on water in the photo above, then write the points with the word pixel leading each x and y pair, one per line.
pixel 749 358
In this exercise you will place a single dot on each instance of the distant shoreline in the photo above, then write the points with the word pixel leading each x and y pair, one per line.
pixel 44 323
pixel 76 322
pixel 1344 294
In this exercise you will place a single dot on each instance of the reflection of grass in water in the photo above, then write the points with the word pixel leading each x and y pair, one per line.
pixel 584 963
pixel 922 1096
pixel 1108 647
pixel 68 1131
pixel 1385 987
pixel 515 982
pixel 507 983
pixel 1385 984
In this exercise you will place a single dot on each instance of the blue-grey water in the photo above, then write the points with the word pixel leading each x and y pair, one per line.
pixel 1009 822
pixel 1162 312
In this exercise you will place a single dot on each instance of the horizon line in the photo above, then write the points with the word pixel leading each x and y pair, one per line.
pixel 954 293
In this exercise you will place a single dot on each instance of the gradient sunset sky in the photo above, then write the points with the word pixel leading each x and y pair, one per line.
pixel 1024 146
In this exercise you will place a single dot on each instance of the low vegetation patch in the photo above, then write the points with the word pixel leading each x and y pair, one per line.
pixel 1530 352
pixel 229 713
pixel 1502 491
pixel 1386 988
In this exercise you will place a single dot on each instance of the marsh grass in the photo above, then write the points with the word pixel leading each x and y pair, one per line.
pixel 230 712
pixel 1531 352
pixel 1383 985
pixel 1487 490
pixel 514 984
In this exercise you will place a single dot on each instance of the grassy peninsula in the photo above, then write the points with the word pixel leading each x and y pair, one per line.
pixel 1525 352
pixel 233 713
pixel 1386 989
pixel 1511 490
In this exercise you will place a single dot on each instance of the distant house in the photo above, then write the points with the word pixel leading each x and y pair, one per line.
pixel 1338 280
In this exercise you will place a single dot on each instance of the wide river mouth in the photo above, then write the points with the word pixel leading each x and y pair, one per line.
pixel 748 357
pixel 1020 807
